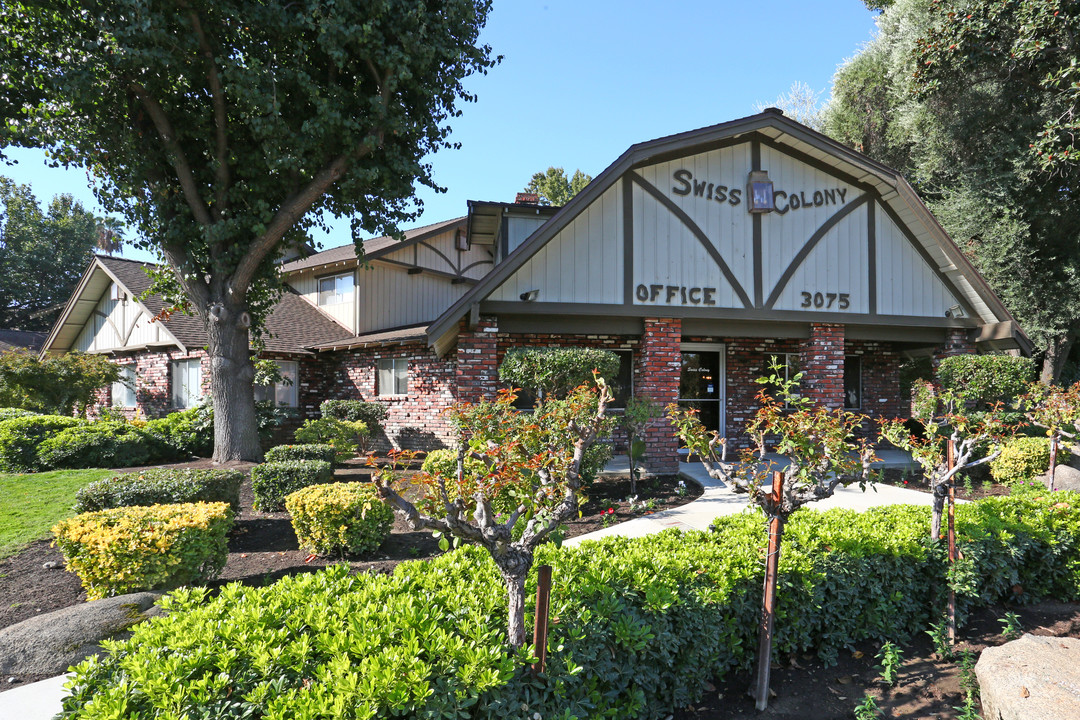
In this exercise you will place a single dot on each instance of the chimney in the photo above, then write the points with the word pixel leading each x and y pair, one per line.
pixel 527 199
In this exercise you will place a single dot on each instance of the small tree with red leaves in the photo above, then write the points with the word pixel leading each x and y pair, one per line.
pixel 525 481
pixel 1057 411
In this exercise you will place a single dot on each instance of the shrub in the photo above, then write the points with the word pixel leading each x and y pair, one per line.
pixel 60 384
pixel 370 413
pixel 443 462
pixel 188 432
pixel 272 481
pixel 340 518
pixel 21 436
pixel 163 486
pixel 1021 458
pixel 6 413
pixel 300 452
pixel 644 623
pixel 556 371
pixel 102 444
pixel 342 434
pixel 125 549
pixel 986 379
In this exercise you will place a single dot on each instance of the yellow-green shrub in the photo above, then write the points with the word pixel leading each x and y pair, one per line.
pixel 1022 458
pixel 339 518
pixel 126 549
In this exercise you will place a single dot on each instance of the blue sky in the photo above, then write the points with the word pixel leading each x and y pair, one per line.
pixel 583 80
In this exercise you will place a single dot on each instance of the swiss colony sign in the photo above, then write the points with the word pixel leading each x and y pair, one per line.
pixel 710 232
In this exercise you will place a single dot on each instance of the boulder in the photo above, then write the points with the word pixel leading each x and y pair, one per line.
pixel 1033 678
pixel 1066 477
pixel 48 644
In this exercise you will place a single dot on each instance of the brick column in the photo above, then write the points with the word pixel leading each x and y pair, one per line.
pixel 957 342
pixel 477 373
pixel 821 360
pixel 658 366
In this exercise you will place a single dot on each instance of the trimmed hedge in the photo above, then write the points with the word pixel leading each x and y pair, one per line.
pixel 371 414
pixel 1022 458
pixel 282 453
pixel 986 379
pixel 340 518
pixel 6 413
pixel 21 436
pixel 556 370
pixel 643 623
pixel 342 434
pixel 102 444
pixel 162 486
pixel 272 481
pixel 190 433
pixel 126 549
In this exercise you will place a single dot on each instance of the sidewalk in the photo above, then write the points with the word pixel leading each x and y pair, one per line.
pixel 36 701
pixel 718 500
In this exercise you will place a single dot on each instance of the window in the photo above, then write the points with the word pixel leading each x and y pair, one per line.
pixel 282 394
pixel 393 376
pixel 186 382
pixel 852 382
pixel 123 390
pixel 622 385
pixel 336 289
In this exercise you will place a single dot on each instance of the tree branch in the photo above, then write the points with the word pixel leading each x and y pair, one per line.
pixel 172 145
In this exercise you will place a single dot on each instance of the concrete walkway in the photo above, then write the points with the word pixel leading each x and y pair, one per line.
pixel 718 500
pixel 36 701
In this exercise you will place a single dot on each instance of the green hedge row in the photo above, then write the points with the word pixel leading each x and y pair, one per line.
pixel 162 486
pixel 271 482
pixel 642 624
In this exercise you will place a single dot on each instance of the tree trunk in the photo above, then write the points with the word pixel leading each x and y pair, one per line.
pixel 939 493
pixel 514 566
pixel 236 434
pixel 1054 360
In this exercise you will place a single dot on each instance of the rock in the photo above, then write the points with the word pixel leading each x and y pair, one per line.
pixel 1066 477
pixel 48 644
pixel 1033 678
pixel 54 565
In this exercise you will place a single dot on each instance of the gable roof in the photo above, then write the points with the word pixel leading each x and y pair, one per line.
pixel 373 248
pixel 894 193
pixel 293 324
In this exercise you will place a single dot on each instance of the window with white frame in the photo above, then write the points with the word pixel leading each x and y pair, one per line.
pixel 336 289
pixel 186 382
pixel 123 390
pixel 283 394
pixel 393 376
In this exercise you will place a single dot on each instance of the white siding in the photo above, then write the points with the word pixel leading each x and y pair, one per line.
pixel 837 264
pixel 390 297
pixel 518 229
pixel 583 263
pixel 906 284
pixel 113 322
pixel 308 287
pixel 440 253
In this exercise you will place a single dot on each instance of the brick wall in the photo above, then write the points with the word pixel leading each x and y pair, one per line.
pixel 821 360
pixel 477 370
pixel 153 380
pixel 880 378
pixel 957 342
pixel 415 420
pixel 657 370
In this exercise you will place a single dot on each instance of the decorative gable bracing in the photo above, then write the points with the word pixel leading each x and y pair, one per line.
pixel 666 231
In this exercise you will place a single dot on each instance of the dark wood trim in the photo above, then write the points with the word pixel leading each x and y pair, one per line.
pixel 801 256
pixel 929 260
pixel 509 307
pixel 871 254
pixel 698 149
pixel 712 328
pixel 573 325
pixel 697 233
pixel 453 266
pixel 628 240
pixel 759 282
pixel 815 163
pixel 414 270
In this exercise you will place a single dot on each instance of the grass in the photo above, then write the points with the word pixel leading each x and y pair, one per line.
pixel 31 504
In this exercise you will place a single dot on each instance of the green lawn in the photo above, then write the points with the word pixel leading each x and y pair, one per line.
pixel 31 504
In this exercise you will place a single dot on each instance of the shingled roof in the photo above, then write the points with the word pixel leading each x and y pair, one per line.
pixel 373 248
pixel 292 327
pixel 21 340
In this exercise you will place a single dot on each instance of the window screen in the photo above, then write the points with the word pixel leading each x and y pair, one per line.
pixel 336 290
pixel 187 382
pixel 393 376
pixel 123 390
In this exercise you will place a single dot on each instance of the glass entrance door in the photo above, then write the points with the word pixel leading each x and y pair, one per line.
pixel 701 383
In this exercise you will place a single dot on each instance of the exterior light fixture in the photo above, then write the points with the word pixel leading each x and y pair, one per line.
pixel 760 191
pixel 529 295
pixel 955 312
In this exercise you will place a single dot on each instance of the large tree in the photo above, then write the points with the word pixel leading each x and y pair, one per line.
pixel 224 130
pixel 42 254
pixel 554 188
pixel 955 95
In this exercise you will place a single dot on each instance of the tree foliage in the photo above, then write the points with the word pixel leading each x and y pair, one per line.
pixel 962 98
pixel 58 384
pixel 223 131
pixel 555 370
pixel 554 188
pixel 42 254
pixel 800 103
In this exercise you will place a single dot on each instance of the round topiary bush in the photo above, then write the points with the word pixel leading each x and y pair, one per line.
pixel 21 436
pixel 340 518
pixel 1021 459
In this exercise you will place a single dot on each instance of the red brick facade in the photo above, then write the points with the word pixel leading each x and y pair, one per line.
pixel 821 360
pixel 477 372
pixel 657 369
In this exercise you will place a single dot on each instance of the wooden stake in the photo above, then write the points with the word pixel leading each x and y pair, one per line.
pixel 952 543
pixel 1053 459
pixel 543 609
pixel 768 605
